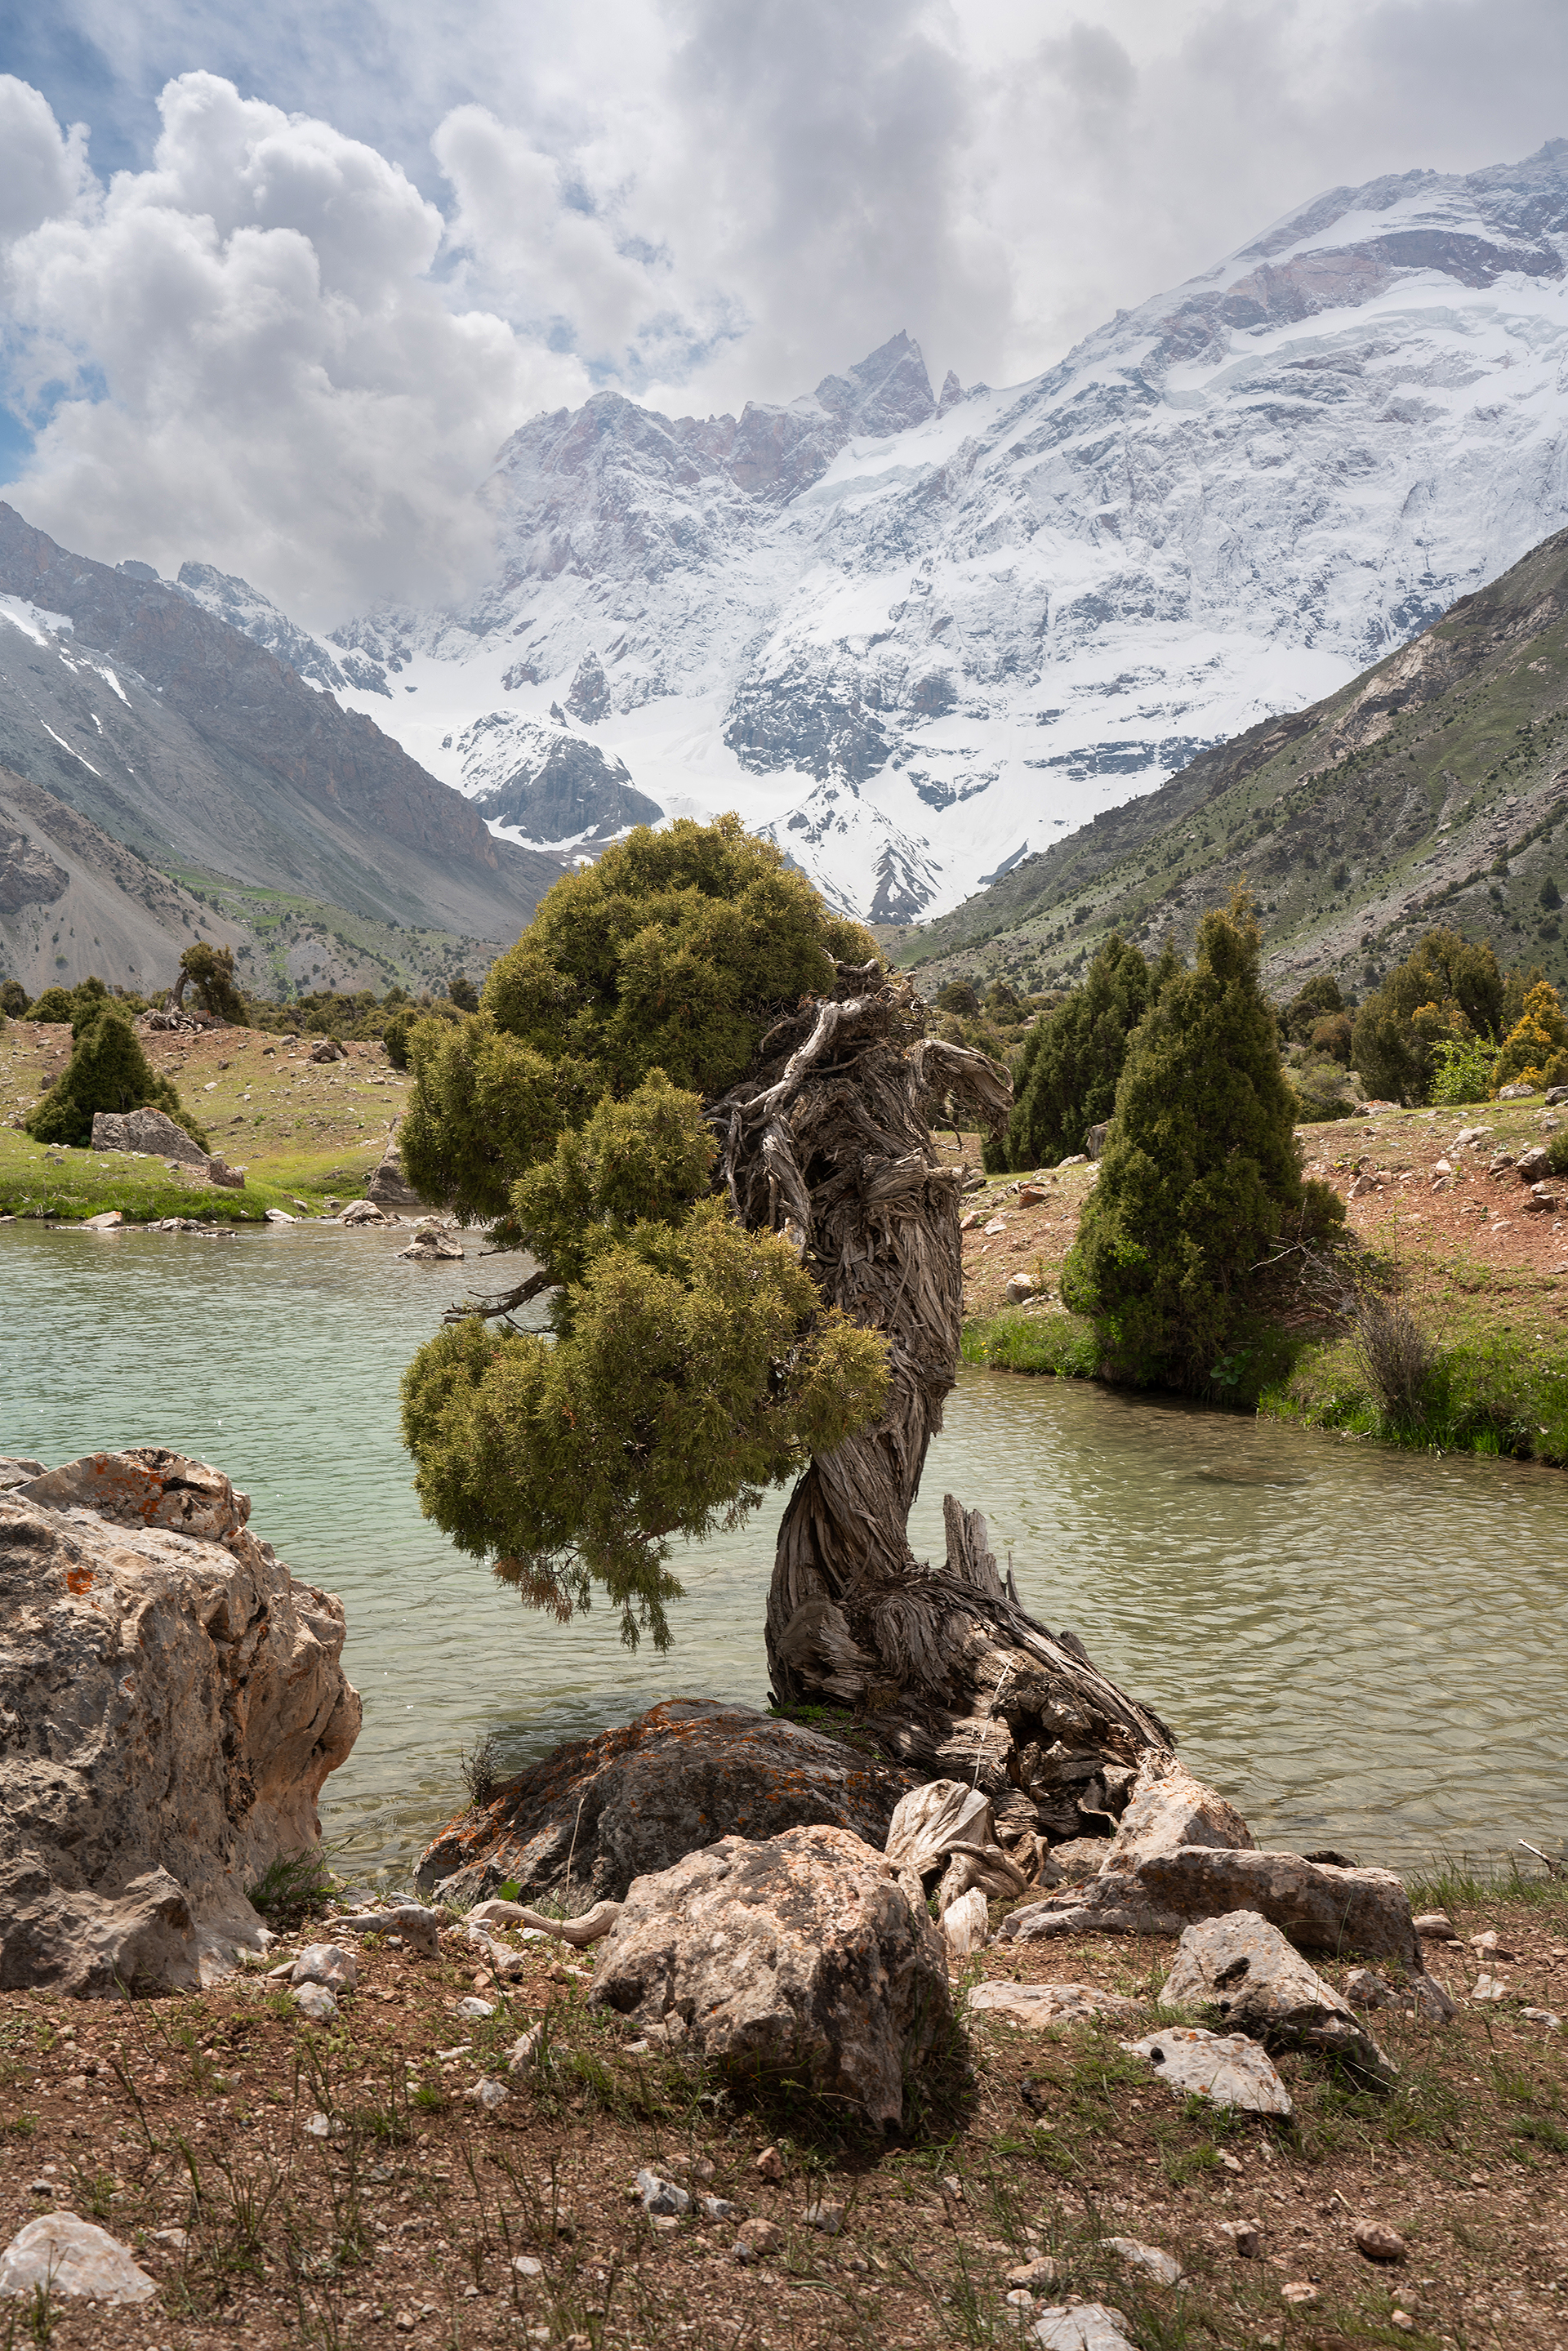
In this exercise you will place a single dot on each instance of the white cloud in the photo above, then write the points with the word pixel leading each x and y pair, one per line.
pixel 293 351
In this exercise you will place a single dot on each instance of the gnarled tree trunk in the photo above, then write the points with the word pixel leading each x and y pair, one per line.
pixel 833 1145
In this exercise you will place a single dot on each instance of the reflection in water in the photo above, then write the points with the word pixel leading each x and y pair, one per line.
pixel 1361 1647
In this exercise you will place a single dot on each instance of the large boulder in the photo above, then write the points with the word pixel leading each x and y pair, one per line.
pixel 802 1956
pixel 578 1827
pixel 388 1187
pixel 171 1701
pixel 147 1130
pixel 1319 1906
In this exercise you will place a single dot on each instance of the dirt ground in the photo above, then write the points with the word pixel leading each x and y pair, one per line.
pixel 1408 1187
pixel 286 2183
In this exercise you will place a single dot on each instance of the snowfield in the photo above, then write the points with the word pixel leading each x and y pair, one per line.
pixel 913 639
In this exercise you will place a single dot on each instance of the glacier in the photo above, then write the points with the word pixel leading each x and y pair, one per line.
pixel 914 637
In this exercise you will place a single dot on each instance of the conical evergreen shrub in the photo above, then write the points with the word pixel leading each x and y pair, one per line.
pixel 1067 1073
pixel 1199 1171
pixel 107 1071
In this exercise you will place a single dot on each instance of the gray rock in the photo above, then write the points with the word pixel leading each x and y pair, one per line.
pixel 414 1926
pixel 1081 1858
pixel 280 1216
pixel 719 2208
pixel 363 1212
pixel 1094 1141
pixel 1159 2264
pixel 1036 2005
pixel 662 2197
pixel 328 1048
pixel 326 1963
pixel 388 1187
pixel 176 1702
pixel 108 1221
pixel 71 2258
pixel 1517 1091
pixel 639 1797
pixel 488 2093
pixel 827 2218
pixel 1018 1288
pixel 1319 1906
pixel 1227 2069
pixel 1245 1970
pixel 316 2001
pixel 1555 1094
pixel 1083 2327
pixel 802 1956
pixel 1168 1809
pixel 146 1130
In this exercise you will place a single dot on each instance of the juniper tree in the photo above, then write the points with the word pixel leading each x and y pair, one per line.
pixel 1071 1059
pixel 1199 1170
pixel 696 1097
pixel 107 1071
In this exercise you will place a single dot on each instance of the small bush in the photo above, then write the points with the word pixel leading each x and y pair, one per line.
pixel 480 1771
pixel 291 1889
pixel 1395 1354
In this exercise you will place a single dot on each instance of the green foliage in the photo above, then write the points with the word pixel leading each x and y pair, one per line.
pixel 53 1004
pixel 291 1888
pixel 1066 1078
pixel 108 1070
pixel 692 1363
pixel 1450 987
pixel 211 971
pixel 1199 1171
pixel 395 1035
pixel 694 1367
pixel 1332 1035
pixel 1064 1345
pixel 1461 1070
pixel 13 998
pixel 1320 998
pixel 462 992
pixel 1535 1047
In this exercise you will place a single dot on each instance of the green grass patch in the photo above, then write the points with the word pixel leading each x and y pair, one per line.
pixel 1061 1343
pixel 65 1186
pixel 1502 1389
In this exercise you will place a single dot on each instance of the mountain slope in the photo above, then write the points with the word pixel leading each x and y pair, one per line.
pixel 1430 789
pixel 913 639
pixel 176 735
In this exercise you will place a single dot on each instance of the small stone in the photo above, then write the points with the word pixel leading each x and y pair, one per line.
pixel 1300 2291
pixel 996 1225
pixel 326 1963
pixel 1019 2297
pixel 177 2239
pixel 1158 2263
pixel 314 2001
pixel 489 2093
pixel 1379 2242
pixel 1246 2236
pixel 756 2240
pixel 526 2266
pixel 1085 2326
pixel 1402 2320
pixel 1229 2069
pixel 1488 1987
pixel 662 2197
pixel 1036 2274
pixel 317 2125
pixel 769 2164
pixel 69 2257
pixel 827 2218
pixel 1018 1288
pixel 719 2208
pixel 404 2322
pixel 1554 2023
pixel 475 2008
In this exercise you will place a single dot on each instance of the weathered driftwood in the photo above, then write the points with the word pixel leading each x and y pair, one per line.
pixel 828 1142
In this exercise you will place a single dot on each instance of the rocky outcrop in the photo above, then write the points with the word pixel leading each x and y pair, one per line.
pixel 1319 1906
pixel 388 1187
pixel 580 1825
pixel 171 1701
pixel 799 1956
pixel 147 1130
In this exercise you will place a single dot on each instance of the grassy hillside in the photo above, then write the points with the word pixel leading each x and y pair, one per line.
pixel 1430 789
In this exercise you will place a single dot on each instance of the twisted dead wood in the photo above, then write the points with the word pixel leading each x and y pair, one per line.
pixel 828 1142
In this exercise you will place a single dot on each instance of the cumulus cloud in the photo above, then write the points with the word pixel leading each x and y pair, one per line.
pixel 260 367
pixel 291 341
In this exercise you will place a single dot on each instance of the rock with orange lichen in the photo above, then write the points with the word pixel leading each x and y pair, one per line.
pixel 171 1701
pixel 578 1827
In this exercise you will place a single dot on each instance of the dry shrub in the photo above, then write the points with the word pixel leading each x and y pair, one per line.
pixel 1395 1354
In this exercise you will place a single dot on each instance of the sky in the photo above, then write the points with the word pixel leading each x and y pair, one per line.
pixel 275 284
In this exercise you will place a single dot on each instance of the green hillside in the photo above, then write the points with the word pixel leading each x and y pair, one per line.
pixel 1428 790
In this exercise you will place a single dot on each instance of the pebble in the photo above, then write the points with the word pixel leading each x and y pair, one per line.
pixel 719 2208
pixel 756 2239
pixel 488 2093
pixel 827 2219
pixel 1039 2272
pixel 1087 2327
pixel 662 2197
pixel 1379 2242
pixel 314 2001
pixel 1488 1987
pixel 526 2266
pixel 1246 2236
pixel 1159 2264
pixel 476 2008
pixel 1543 2016
pixel 1298 2291
pixel 770 2164
pixel 326 1963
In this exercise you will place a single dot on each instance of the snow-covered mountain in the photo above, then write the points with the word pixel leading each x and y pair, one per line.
pixel 915 638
